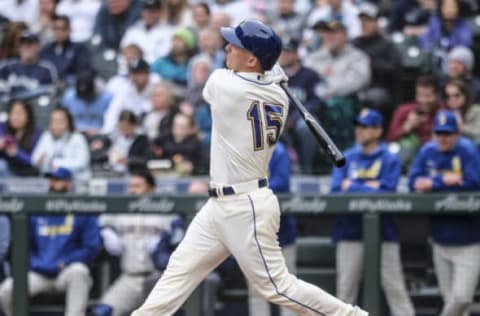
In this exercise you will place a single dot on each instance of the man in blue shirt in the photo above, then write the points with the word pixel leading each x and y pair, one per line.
pixel 450 163
pixel 61 249
pixel 370 169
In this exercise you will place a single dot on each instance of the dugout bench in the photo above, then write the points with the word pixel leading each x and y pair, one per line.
pixel 21 206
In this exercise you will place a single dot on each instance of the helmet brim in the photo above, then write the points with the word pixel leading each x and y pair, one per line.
pixel 229 35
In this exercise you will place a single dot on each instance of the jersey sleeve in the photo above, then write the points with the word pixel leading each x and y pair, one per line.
pixel 210 86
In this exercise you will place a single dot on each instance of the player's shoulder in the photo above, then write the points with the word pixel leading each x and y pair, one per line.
pixel 467 145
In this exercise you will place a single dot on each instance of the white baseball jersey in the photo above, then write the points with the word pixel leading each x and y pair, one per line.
pixel 236 155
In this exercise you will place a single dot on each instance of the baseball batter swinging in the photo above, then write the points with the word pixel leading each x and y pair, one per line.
pixel 242 216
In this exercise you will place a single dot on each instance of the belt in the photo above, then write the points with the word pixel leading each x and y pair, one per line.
pixel 238 188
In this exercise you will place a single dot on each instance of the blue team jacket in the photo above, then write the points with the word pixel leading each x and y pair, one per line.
pixel 279 182
pixel 380 165
pixel 463 159
pixel 62 239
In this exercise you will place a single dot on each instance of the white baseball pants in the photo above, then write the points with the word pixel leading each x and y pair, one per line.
pixel 246 226
pixel 457 269
pixel 350 269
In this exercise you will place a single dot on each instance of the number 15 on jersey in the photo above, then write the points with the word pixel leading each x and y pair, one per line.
pixel 268 115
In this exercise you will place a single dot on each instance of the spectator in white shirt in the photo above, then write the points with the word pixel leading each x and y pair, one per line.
pixel 82 15
pixel 20 11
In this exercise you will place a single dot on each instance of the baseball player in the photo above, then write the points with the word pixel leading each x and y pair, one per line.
pixel 450 163
pixel 370 168
pixel 242 216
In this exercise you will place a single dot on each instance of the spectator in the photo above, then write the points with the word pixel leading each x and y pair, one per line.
pixel 11 42
pixel 18 137
pixel 236 11
pixel 410 16
pixel 450 163
pixel 183 147
pixel 129 149
pixel 178 13
pixel 210 43
pixel 152 33
pixel 4 243
pixel 20 11
pixel 385 60
pixel 29 73
pixel 461 63
pixel 445 31
pixel 82 15
pixel 201 16
pixel 457 99
pixel 412 122
pixel 113 19
pixel 279 182
pixel 158 122
pixel 220 19
pixel 43 26
pixel 127 55
pixel 62 147
pixel 173 67
pixel 134 96
pixel 341 11
pixel 69 58
pixel 135 239
pixel 370 169
pixel 305 83
pixel 344 68
pixel 62 247
pixel 87 103
pixel 285 21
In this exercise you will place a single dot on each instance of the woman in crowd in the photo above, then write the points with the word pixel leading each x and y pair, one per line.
pixel 18 137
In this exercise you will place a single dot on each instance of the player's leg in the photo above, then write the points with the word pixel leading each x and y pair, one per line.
pixel 75 280
pixel 125 294
pixel 444 272
pixel 36 284
pixel 466 271
pixel 393 281
pixel 290 254
pixel 196 256
pixel 249 230
pixel 349 258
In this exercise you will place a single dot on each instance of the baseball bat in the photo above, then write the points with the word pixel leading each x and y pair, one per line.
pixel 320 134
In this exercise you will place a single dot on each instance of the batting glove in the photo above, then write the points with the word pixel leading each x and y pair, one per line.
pixel 276 74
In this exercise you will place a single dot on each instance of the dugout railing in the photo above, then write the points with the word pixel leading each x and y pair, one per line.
pixel 371 206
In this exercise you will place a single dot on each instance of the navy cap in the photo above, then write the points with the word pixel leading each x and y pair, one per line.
pixel 28 36
pixel 370 118
pixel 138 65
pixel 330 24
pixel 60 174
pixel 445 122
pixel 152 4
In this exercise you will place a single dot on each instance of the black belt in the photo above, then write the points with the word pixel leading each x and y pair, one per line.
pixel 230 190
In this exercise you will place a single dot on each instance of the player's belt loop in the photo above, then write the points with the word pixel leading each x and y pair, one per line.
pixel 219 191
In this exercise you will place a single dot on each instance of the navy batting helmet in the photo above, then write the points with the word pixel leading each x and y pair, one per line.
pixel 257 38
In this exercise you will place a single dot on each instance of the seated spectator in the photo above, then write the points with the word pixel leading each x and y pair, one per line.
pixel 29 74
pixel 68 57
pixel 286 21
pixel 457 99
pixel 128 148
pixel 445 31
pixel 113 20
pixel 62 147
pixel 385 60
pixel 87 103
pixel 371 169
pixel 344 68
pixel 134 96
pixel 136 240
pixel 152 33
pixel 4 243
pixel 62 247
pixel 210 43
pixel 411 125
pixel 183 147
pixel 461 63
pixel 20 11
pixel 178 13
pixel 450 163
pixel 18 137
pixel 174 66
pixel 127 55
pixel 410 16
pixel 305 83
pixel 43 26
pixel 158 122
pixel 343 11
pixel 82 15
pixel 201 16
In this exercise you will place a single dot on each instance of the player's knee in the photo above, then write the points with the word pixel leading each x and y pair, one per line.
pixel 459 304
pixel 77 271
pixel 101 310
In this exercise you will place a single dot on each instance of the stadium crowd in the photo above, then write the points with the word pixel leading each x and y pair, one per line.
pixel 113 88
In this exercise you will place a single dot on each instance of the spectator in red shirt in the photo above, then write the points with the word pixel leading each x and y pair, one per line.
pixel 411 125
